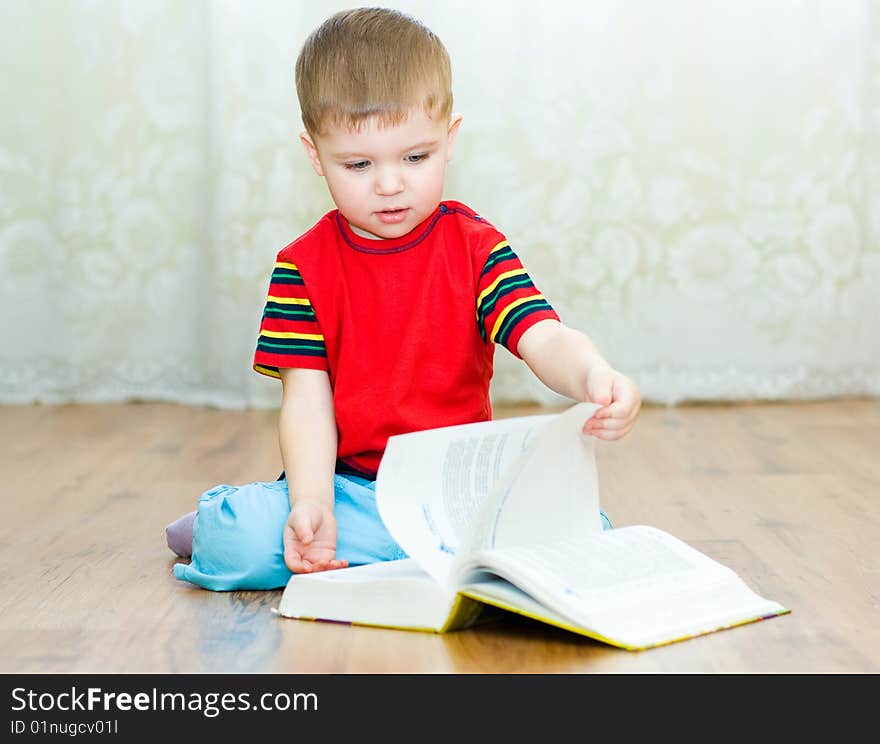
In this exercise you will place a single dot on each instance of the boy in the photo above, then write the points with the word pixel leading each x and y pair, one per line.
pixel 382 318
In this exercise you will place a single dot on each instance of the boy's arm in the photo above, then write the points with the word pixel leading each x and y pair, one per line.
pixel 308 439
pixel 568 362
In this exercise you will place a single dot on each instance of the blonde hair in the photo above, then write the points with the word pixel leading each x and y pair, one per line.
pixel 371 62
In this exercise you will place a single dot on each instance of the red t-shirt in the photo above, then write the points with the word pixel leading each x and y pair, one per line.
pixel 405 327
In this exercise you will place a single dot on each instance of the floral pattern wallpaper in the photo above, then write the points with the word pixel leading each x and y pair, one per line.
pixel 694 183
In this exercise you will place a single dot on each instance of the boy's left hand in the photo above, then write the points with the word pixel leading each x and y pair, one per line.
pixel 619 400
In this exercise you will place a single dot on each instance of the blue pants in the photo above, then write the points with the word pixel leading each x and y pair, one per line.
pixel 237 534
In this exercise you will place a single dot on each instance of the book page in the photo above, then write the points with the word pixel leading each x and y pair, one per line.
pixel 396 594
pixel 550 494
pixel 605 569
pixel 638 585
pixel 432 484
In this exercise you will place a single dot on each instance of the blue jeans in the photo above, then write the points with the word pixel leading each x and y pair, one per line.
pixel 237 534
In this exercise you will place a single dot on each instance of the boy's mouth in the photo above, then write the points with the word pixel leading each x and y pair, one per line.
pixel 391 216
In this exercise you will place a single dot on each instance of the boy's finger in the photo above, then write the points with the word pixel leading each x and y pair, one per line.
pixel 610 435
pixel 292 559
pixel 329 565
pixel 625 393
pixel 620 409
pixel 609 424
pixel 599 387
pixel 303 530
pixel 287 538
pixel 621 412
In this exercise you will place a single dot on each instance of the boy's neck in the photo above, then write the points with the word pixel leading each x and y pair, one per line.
pixel 363 233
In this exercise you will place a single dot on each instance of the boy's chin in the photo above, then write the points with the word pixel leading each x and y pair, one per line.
pixel 398 231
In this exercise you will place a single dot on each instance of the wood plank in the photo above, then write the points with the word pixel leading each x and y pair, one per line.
pixel 786 494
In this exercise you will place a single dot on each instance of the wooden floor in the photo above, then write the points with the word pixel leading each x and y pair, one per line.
pixel 786 495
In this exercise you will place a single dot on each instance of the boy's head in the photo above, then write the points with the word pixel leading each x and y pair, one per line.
pixel 375 91
pixel 371 62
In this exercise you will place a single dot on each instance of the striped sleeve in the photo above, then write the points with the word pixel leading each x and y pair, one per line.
pixel 508 303
pixel 289 332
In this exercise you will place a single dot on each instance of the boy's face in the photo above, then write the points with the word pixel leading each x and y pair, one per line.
pixel 387 179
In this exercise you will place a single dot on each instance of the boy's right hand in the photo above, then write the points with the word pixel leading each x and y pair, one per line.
pixel 310 538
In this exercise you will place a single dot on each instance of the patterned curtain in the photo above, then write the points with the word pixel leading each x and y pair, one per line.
pixel 695 184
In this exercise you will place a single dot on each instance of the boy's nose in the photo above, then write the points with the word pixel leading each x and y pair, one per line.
pixel 389 182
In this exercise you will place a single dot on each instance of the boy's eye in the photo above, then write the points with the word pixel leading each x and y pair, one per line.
pixel 416 158
pixel 357 165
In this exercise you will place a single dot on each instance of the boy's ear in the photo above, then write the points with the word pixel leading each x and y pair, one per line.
pixel 312 152
pixel 454 124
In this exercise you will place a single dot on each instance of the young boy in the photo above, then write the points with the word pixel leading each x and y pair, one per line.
pixel 382 318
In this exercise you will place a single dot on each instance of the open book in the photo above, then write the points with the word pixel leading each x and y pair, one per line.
pixel 505 514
